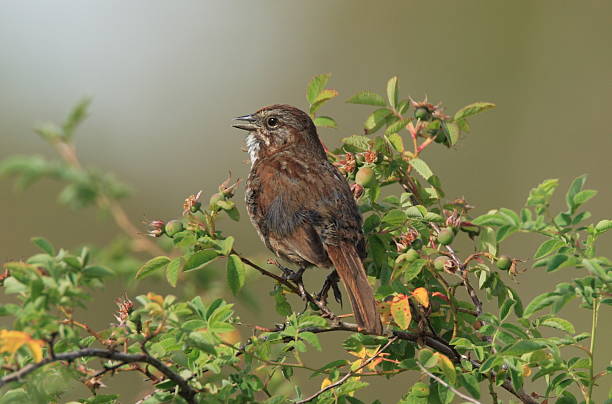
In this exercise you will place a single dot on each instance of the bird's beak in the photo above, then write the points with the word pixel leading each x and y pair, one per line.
pixel 247 122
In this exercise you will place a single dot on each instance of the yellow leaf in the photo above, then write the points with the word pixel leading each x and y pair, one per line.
pixel 156 298
pixel 526 370
pixel 447 366
pixel 400 310
pixel 384 308
pixel 11 341
pixel 326 382
pixel 422 296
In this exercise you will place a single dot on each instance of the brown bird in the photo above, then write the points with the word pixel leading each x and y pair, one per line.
pixel 302 207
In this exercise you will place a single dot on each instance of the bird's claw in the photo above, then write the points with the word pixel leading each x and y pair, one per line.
pixel 331 282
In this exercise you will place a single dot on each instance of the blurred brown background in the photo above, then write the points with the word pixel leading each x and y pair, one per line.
pixel 166 79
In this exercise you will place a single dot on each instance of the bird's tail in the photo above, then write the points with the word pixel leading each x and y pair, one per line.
pixel 353 275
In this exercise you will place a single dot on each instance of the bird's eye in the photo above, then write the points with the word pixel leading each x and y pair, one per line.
pixel 272 122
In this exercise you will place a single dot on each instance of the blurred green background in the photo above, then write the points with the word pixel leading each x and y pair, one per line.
pixel 166 78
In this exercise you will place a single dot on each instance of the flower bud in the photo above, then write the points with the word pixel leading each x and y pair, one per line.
pixel 156 228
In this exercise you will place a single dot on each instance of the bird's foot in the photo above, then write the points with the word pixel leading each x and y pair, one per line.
pixel 289 274
pixel 331 282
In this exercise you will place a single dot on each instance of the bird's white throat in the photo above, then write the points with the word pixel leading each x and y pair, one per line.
pixel 253 146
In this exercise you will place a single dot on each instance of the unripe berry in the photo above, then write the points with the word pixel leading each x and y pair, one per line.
pixel 504 263
pixel 446 236
pixel 422 113
pixel 440 262
pixel 365 177
pixel 173 227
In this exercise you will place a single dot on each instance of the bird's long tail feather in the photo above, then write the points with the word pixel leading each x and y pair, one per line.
pixel 353 275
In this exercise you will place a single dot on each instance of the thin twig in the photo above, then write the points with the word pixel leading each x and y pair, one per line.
pixel 448 386
pixel 349 374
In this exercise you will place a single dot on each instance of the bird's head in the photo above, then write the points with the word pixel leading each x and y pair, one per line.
pixel 276 127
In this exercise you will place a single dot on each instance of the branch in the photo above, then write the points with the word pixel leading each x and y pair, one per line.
pixel 349 374
pixel 448 386
pixel 185 390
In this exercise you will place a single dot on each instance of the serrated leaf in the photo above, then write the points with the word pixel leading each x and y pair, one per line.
pixel 447 367
pixel 396 142
pixel 359 142
pixel 151 266
pixel 583 196
pixel 522 347
pixel 473 109
pixel 400 311
pixel 173 270
pixel 397 126
pixel 367 98
pixel 394 217
pixel 392 93
pixel 200 259
pixel 547 247
pixel 325 122
pixel 574 188
pixel 453 132
pixel 376 120
pixel 235 273
pixel 538 303
pixel 97 271
pixel 316 85
pixel 559 324
pixel 322 98
pixel 421 167
pixel 603 226
pixel 44 245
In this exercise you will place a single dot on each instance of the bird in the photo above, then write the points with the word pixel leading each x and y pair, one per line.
pixel 302 207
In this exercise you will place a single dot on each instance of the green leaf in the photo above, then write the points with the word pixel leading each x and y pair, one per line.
pixel 358 142
pixel 325 122
pixel 397 126
pixel 470 382
pixel 173 270
pixel 151 266
pixel 44 245
pixel 538 303
pixel 367 98
pixel 392 93
pixel 316 85
pixel 396 142
pixel 473 109
pixel 559 324
pixel 413 269
pixel 453 132
pixel 522 347
pixel 76 116
pixel 235 273
pixel 323 97
pixel 540 195
pixel 421 167
pixel 376 120
pixel 593 266
pixel 574 188
pixel 200 259
pixel 394 217
pixel 555 261
pixel 583 196
pixel 548 247
pixel 603 226
pixel 281 304
pixel 97 271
